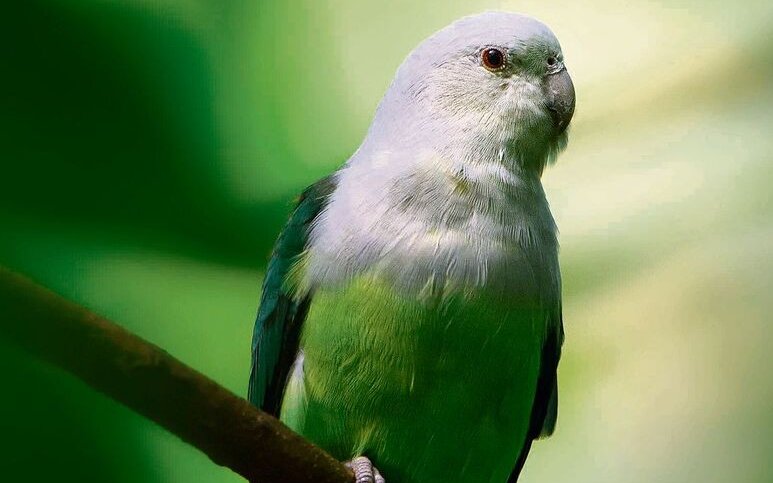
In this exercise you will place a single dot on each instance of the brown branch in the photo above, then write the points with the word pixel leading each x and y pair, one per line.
pixel 227 428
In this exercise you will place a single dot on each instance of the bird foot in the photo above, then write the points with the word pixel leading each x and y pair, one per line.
pixel 364 471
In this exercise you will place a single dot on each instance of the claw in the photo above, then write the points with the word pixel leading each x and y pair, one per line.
pixel 364 471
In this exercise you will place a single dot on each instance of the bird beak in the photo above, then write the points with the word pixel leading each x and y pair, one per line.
pixel 560 98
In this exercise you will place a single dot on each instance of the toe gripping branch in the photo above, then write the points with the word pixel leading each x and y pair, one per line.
pixel 364 471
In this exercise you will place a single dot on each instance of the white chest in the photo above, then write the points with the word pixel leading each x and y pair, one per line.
pixel 427 228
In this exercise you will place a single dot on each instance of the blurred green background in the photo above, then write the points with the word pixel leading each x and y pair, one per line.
pixel 151 150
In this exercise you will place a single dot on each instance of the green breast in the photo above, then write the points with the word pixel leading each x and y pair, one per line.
pixel 432 390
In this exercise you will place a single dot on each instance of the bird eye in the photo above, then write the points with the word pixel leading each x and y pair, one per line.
pixel 493 59
pixel 552 60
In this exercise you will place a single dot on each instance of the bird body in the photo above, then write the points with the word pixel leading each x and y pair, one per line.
pixel 411 310
pixel 437 391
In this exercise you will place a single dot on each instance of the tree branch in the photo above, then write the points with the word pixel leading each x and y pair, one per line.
pixel 227 428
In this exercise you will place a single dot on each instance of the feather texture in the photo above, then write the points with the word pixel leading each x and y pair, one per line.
pixel 281 313
pixel 415 295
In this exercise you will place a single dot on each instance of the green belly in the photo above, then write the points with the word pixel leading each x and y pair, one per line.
pixel 430 390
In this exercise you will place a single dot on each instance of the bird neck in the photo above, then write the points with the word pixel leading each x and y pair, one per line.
pixel 418 217
pixel 410 124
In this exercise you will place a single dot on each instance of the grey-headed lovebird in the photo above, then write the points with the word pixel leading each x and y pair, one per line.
pixel 410 320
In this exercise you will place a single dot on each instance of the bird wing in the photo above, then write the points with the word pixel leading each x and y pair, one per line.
pixel 544 410
pixel 281 314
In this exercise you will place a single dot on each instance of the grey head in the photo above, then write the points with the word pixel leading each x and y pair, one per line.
pixel 493 85
pixel 445 189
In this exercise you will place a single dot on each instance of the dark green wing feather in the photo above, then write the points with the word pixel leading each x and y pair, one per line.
pixel 545 407
pixel 281 314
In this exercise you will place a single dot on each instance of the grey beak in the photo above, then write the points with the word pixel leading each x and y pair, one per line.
pixel 560 98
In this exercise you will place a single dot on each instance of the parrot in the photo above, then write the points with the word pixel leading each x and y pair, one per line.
pixel 410 320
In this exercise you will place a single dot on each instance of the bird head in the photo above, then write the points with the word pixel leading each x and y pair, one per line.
pixel 489 86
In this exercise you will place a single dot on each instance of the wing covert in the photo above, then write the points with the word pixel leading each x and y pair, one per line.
pixel 281 314
pixel 544 411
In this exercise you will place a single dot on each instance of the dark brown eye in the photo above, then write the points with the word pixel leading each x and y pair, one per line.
pixel 493 59
pixel 552 60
